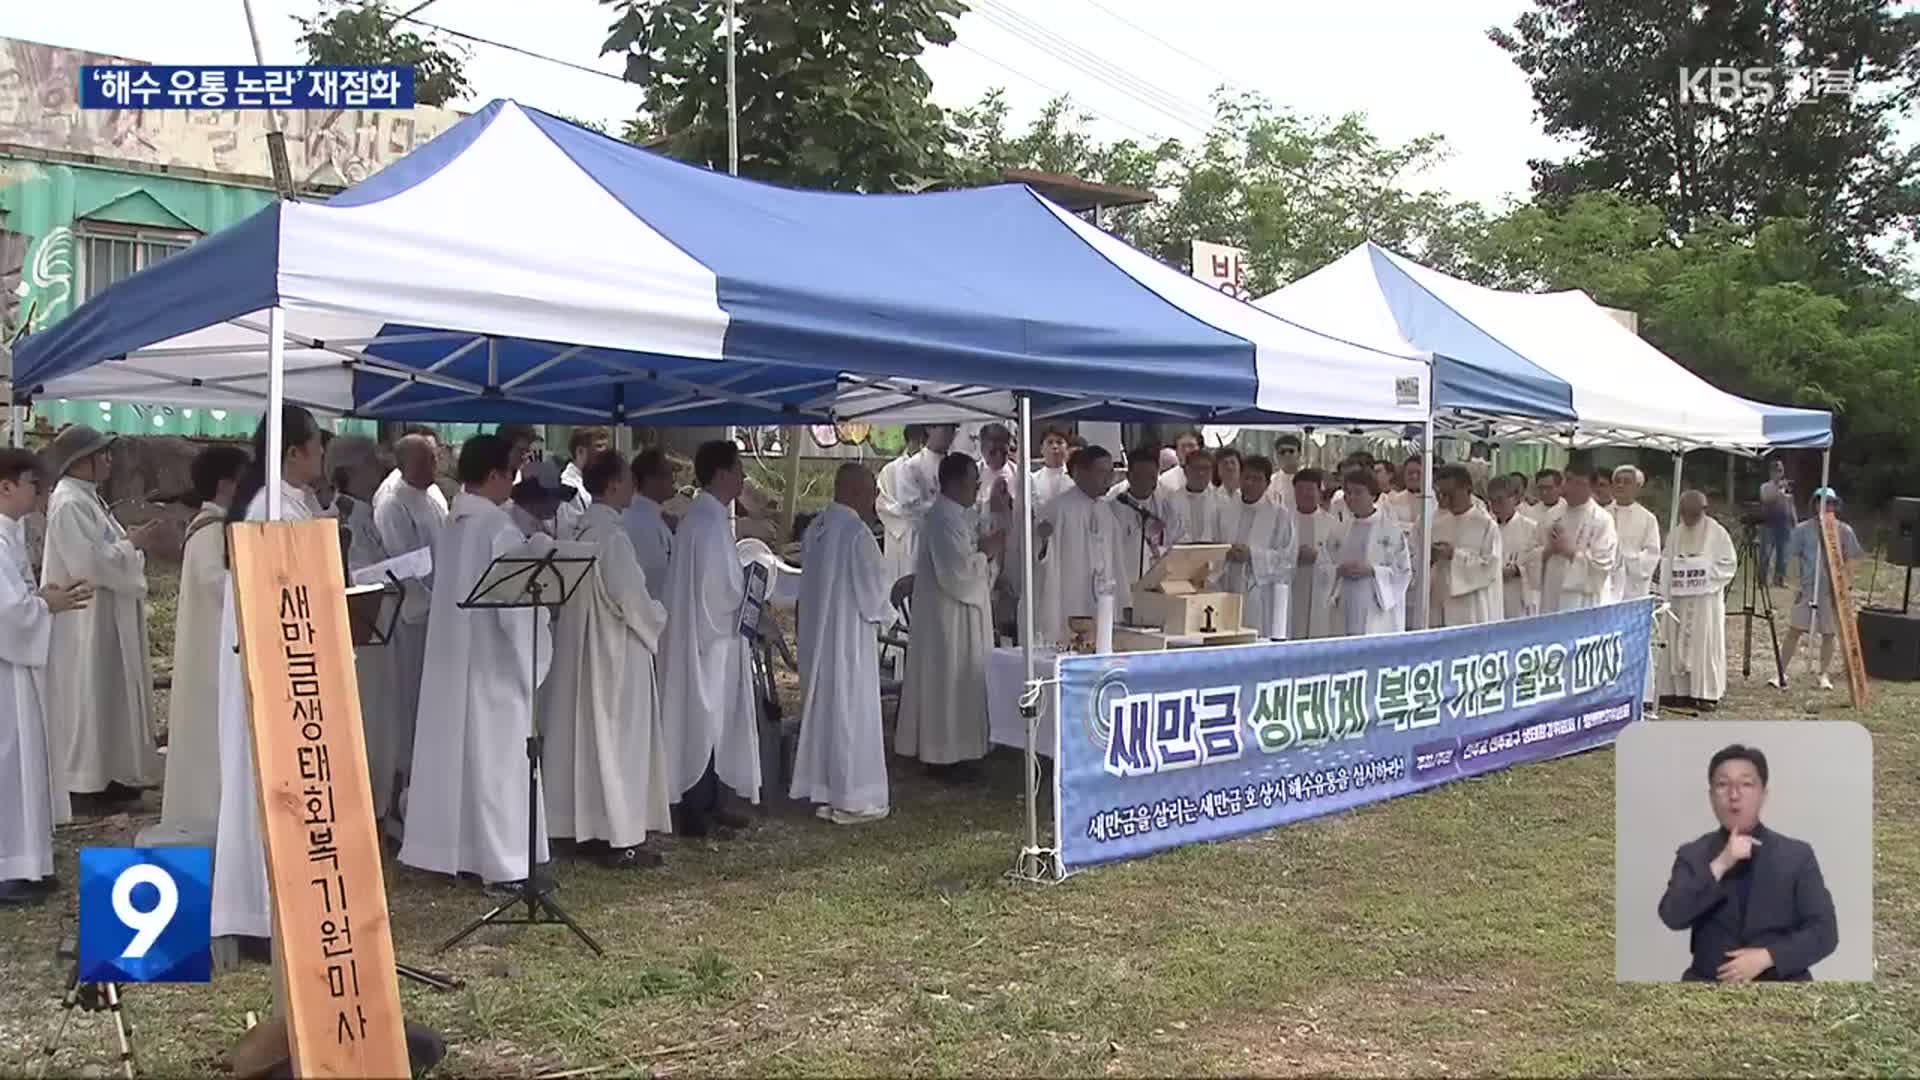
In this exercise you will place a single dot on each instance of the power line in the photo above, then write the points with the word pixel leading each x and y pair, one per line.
pixel 409 17
pixel 1051 89
pixel 1168 45
pixel 1062 49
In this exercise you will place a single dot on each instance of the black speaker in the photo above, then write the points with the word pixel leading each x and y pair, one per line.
pixel 1890 644
pixel 1903 547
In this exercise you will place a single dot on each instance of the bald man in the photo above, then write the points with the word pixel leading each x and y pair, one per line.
pixel 841 764
pixel 409 518
pixel 1701 562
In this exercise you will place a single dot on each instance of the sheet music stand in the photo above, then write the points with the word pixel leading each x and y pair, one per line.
pixel 369 619
pixel 535 582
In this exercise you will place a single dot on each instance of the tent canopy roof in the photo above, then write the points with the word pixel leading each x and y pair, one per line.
pixel 522 268
pixel 1520 364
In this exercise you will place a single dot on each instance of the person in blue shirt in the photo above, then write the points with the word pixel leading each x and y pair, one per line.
pixel 1804 550
pixel 1752 899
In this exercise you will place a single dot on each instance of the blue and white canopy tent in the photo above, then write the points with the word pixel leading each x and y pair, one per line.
pixel 520 268
pixel 1547 367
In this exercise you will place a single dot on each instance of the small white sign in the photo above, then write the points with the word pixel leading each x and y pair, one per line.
pixel 1692 576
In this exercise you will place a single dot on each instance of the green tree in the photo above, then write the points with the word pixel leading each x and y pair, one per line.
pixel 1606 74
pixel 830 95
pixel 351 33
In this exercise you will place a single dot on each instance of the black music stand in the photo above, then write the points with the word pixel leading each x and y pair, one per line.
pixel 535 582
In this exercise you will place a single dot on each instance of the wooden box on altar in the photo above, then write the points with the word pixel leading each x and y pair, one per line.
pixel 1170 599
pixel 1127 639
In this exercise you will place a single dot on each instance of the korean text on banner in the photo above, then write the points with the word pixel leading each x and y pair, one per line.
pixel 1160 749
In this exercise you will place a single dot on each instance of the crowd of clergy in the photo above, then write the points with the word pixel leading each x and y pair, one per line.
pixel 643 680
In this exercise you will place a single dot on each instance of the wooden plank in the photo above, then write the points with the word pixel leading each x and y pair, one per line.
pixel 338 987
pixel 1844 619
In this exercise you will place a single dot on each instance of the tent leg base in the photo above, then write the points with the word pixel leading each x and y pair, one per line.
pixel 1036 866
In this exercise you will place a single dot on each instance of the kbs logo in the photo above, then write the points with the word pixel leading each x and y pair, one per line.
pixel 146 915
pixel 1726 85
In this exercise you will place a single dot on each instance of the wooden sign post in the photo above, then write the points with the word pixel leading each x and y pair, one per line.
pixel 339 990
pixel 1845 623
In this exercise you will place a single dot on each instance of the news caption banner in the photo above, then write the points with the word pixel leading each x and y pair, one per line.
pixel 1162 749
pixel 145 86
pixel 340 992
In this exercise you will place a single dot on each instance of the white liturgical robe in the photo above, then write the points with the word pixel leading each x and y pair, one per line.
pixel 408 519
pixel 706 673
pixel 32 799
pixel 652 540
pixel 1049 482
pixel 908 488
pixel 1076 564
pixel 467 803
pixel 1702 556
pixel 567 515
pixel 1006 569
pixel 605 770
pixel 1638 532
pixel 943 697
pixel 842 758
pixel 1376 604
pixel 394 483
pixel 240 897
pixel 1466 588
pixel 1265 529
pixel 1143 529
pixel 1587 579
pixel 1311 594
pixel 190 799
pixel 1194 516
pixel 1520 541
pixel 99 674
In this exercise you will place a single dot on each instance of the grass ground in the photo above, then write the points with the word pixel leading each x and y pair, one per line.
pixel 1467 930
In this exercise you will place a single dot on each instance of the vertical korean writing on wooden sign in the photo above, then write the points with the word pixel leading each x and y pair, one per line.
pixel 1845 622
pixel 340 994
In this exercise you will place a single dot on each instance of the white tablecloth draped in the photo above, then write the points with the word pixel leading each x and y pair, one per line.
pixel 1006 675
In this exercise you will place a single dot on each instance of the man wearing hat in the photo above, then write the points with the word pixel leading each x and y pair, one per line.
pixel 99 678
pixel 1806 549
pixel 538 498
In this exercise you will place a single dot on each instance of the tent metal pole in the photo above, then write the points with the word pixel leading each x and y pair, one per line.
pixel 1673 518
pixel 1029 865
pixel 733 101
pixel 276 396
pixel 1423 561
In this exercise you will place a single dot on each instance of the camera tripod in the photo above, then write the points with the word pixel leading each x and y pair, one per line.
pixel 88 997
pixel 1750 550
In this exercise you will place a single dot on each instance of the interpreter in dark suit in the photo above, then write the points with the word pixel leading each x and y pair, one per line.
pixel 1753 898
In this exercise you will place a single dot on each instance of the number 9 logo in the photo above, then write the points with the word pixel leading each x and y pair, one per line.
pixel 150 924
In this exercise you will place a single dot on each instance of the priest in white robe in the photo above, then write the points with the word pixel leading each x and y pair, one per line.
pixel 241 906
pixel 1286 465
pixel 1407 504
pixel 606 756
pixel 1145 522
pixel 1701 562
pixel 1581 551
pixel 1264 553
pixel 396 478
pixel 1052 477
pixel 1468 559
pixel 1375 565
pixel 1175 477
pixel 1317 566
pixel 467 804
pixel 190 798
pixel 352 463
pixel 1195 508
pixel 1076 564
pixel 943 698
pixel 1639 559
pixel 998 508
pixel 706 674
pixel 100 672
pixel 646 520
pixel 1546 500
pixel 1521 548
pixel 841 763
pixel 410 517
pixel 32 797
pixel 582 445
pixel 903 501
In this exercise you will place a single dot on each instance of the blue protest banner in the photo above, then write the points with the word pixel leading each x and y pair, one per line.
pixel 146 86
pixel 1160 749
pixel 146 914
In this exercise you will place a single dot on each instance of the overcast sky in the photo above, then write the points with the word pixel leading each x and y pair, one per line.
pixel 1145 66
